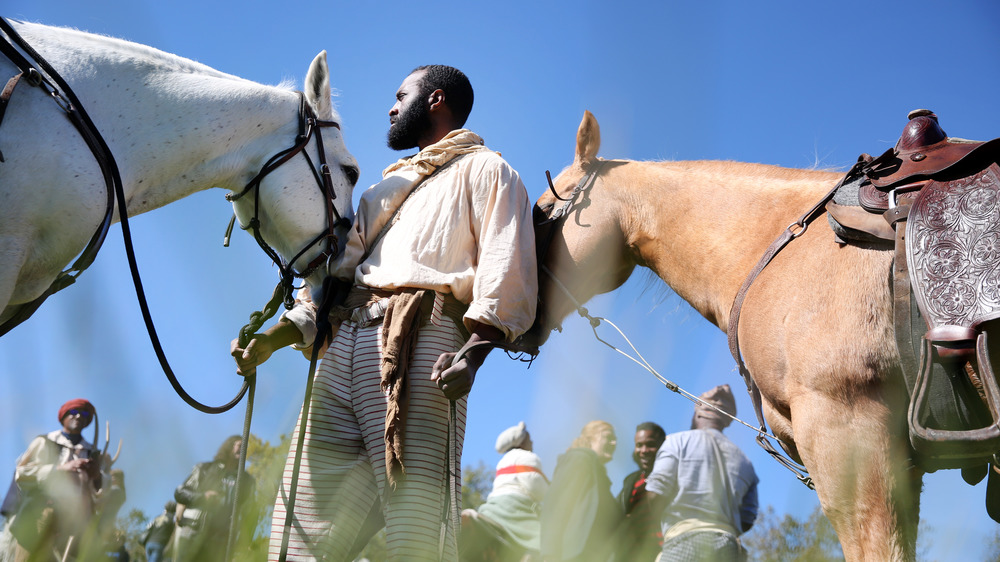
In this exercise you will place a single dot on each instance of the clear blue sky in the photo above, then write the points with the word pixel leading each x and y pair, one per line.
pixel 796 84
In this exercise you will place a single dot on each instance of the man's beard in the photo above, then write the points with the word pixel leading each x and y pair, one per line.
pixel 409 126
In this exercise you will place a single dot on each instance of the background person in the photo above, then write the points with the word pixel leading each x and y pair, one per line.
pixel 508 525
pixel 704 487
pixel 640 539
pixel 158 533
pixel 58 480
pixel 208 495
pixel 580 517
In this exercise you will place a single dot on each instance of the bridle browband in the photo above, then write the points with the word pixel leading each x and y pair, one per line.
pixel 309 125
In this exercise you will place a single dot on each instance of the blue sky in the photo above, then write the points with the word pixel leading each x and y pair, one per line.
pixel 788 83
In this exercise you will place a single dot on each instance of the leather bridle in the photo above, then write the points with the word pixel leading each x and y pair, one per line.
pixel 547 223
pixel 309 125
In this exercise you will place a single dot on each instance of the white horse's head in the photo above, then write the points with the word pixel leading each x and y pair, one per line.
pixel 300 214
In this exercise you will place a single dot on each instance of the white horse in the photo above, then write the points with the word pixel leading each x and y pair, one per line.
pixel 175 127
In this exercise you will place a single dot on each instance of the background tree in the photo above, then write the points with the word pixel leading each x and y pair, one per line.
pixel 265 462
pixel 133 525
pixel 477 482
pixel 790 540
pixel 992 548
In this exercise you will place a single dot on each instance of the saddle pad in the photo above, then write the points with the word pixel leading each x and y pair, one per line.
pixel 953 249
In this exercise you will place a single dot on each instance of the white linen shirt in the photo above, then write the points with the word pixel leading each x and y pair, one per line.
pixel 467 231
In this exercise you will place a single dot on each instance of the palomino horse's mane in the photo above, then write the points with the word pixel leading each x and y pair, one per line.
pixel 776 176
pixel 748 170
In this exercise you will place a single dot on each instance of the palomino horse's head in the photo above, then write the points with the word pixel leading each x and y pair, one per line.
pixel 581 248
pixel 302 205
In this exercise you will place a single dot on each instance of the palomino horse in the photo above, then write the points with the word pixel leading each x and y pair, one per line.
pixel 816 330
pixel 174 127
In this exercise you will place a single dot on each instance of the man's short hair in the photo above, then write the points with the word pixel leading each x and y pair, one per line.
pixel 653 427
pixel 454 83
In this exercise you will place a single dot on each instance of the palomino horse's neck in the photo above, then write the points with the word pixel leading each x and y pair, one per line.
pixel 703 225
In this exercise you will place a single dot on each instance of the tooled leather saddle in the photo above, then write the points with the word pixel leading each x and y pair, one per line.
pixel 937 200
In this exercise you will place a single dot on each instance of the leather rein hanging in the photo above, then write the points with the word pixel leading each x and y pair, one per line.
pixel 53 85
pixel 793 231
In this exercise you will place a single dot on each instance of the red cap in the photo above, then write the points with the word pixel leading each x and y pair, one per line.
pixel 79 404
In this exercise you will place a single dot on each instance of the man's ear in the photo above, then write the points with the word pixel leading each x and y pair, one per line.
pixel 436 99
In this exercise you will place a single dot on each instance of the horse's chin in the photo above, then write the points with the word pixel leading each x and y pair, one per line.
pixel 535 337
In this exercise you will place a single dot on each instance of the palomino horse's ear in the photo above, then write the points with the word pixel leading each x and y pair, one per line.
pixel 588 139
pixel 318 87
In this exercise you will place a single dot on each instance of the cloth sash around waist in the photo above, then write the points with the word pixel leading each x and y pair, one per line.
pixel 402 313
pixel 366 307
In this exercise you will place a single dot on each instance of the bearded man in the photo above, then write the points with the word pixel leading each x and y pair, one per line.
pixel 441 254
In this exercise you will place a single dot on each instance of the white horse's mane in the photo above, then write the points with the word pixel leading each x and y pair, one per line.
pixel 150 55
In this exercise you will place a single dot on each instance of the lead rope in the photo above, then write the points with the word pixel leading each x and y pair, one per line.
pixel 800 472
pixel 257 320
pixel 450 515
pixel 322 330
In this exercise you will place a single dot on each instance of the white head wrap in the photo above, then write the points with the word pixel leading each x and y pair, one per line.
pixel 511 438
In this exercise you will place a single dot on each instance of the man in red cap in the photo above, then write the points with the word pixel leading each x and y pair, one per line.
pixel 57 478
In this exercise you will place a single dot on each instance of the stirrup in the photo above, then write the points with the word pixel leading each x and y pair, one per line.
pixel 948 444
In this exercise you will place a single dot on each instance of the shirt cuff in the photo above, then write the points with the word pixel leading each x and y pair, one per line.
pixel 303 316
pixel 482 314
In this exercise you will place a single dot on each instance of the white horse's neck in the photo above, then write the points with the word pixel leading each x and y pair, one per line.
pixel 174 126
pixel 703 225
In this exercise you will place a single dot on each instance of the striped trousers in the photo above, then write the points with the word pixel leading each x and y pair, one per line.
pixel 342 469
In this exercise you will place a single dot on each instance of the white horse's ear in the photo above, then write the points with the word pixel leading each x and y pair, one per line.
pixel 588 139
pixel 318 87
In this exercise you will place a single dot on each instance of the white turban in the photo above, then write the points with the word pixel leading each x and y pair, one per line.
pixel 512 437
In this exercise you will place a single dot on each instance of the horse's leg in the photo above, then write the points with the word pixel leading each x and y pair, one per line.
pixel 858 458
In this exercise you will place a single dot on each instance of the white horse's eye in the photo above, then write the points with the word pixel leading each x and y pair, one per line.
pixel 352 173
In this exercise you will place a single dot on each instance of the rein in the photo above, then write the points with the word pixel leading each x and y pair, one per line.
pixel 51 83
pixel 793 231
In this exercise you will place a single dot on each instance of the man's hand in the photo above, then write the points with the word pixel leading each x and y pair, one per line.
pixel 75 465
pixel 262 345
pixel 455 381
pixel 255 353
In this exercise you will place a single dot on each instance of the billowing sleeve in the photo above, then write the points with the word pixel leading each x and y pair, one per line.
pixel 505 287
